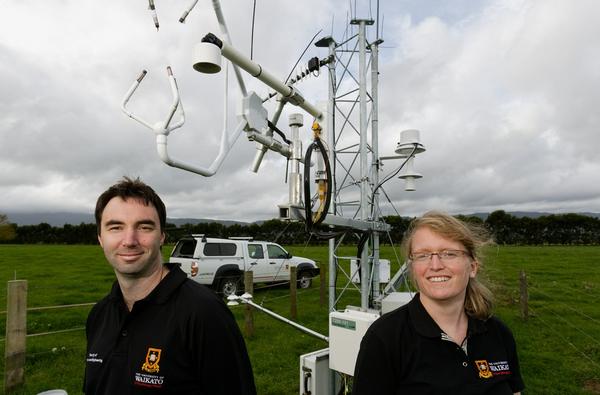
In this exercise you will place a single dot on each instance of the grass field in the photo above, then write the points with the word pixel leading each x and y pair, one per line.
pixel 559 345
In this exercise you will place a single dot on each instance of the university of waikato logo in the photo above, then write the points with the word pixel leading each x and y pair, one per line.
pixel 152 359
pixel 484 369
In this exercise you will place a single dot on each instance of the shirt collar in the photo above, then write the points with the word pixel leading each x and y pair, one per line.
pixel 426 326
pixel 163 290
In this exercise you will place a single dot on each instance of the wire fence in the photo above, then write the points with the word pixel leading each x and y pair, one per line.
pixel 47 308
pixel 564 339
pixel 567 322
pixel 573 322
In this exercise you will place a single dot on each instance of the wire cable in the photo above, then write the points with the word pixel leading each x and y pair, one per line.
pixel 393 174
pixel 300 58
pixel 310 222
pixel 564 339
pixel 279 132
pixel 537 290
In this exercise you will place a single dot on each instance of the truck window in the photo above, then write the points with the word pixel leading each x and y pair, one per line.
pixel 184 249
pixel 255 251
pixel 220 249
pixel 276 252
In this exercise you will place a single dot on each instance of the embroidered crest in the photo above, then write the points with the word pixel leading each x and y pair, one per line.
pixel 152 359
pixel 484 369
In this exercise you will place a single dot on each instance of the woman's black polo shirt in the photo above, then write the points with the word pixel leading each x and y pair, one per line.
pixel 180 339
pixel 404 352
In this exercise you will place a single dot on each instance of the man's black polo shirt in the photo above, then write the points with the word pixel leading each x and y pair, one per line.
pixel 404 352
pixel 180 339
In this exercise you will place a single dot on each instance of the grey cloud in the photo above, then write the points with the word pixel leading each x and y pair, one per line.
pixel 504 94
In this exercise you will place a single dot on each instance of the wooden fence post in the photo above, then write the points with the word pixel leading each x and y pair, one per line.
pixel 16 332
pixel 293 293
pixel 524 295
pixel 322 285
pixel 249 311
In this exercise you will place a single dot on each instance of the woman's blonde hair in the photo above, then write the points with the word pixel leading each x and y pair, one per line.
pixel 479 299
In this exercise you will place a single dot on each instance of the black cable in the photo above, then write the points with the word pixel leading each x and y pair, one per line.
pixel 287 167
pixel 274 128
pixel 307 195
pixel 364 237
pixel 329 180
pixel 389 177
pixel 300 58
pixel 309 223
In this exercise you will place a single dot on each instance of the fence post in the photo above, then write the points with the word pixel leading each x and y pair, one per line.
pixel 524 295
pixel 16 331
pixel 249 311
pixel 293 293
pixel 322 285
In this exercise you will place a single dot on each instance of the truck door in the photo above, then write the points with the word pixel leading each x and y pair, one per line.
pixel 278 262
pixel 257 260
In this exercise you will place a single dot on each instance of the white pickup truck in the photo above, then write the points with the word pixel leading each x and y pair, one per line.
pixel 220 263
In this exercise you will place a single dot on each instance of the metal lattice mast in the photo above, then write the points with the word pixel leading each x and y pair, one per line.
pixel 355 170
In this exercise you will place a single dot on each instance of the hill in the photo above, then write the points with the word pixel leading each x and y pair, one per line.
pixel 531 214
pixel 59 219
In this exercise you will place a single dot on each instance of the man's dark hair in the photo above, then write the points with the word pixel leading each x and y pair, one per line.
pixel 131 189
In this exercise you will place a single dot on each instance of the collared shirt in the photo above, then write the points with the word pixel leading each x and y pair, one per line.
pixel 180 339
pixel 406 352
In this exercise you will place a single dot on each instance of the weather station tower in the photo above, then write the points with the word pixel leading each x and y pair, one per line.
pixel 334 185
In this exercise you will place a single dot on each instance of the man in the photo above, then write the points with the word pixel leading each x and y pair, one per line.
pixel 156 331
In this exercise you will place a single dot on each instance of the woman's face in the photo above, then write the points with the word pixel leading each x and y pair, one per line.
pixel 441 280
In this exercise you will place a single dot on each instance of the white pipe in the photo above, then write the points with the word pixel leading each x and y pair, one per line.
pixel 174 105
pixel 281 318
pixel 128 95
pixel 271 143
pixel 162 129
pixel 225 32
pixel 256 70
pixel 163 152
pixel 261 149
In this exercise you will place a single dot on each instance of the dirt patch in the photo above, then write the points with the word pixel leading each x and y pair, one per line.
pixel 592 385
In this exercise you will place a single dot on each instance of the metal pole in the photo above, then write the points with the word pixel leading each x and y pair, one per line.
pixel 295 183
pixel 375 160
pixel 364 182
pixel 282 318
pixel 332 81
pixel 332 160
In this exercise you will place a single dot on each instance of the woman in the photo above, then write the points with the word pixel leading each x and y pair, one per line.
pixel 445 340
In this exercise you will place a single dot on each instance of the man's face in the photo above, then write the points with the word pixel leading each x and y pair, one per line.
pixel 131 238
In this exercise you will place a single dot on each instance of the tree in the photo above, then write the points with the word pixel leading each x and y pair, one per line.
pixel 7 230
pixel 501 225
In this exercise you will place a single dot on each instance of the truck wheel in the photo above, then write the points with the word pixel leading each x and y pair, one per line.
pixel 230 285
pixel 304 280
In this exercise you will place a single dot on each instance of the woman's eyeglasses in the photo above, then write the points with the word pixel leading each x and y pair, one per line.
pixel 444 255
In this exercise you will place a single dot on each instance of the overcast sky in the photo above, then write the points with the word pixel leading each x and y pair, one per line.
pixel 505 94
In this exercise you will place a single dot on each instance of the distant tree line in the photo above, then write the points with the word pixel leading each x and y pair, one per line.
pixel 563 229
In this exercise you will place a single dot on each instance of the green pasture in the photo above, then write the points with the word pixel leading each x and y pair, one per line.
pixel 559 345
